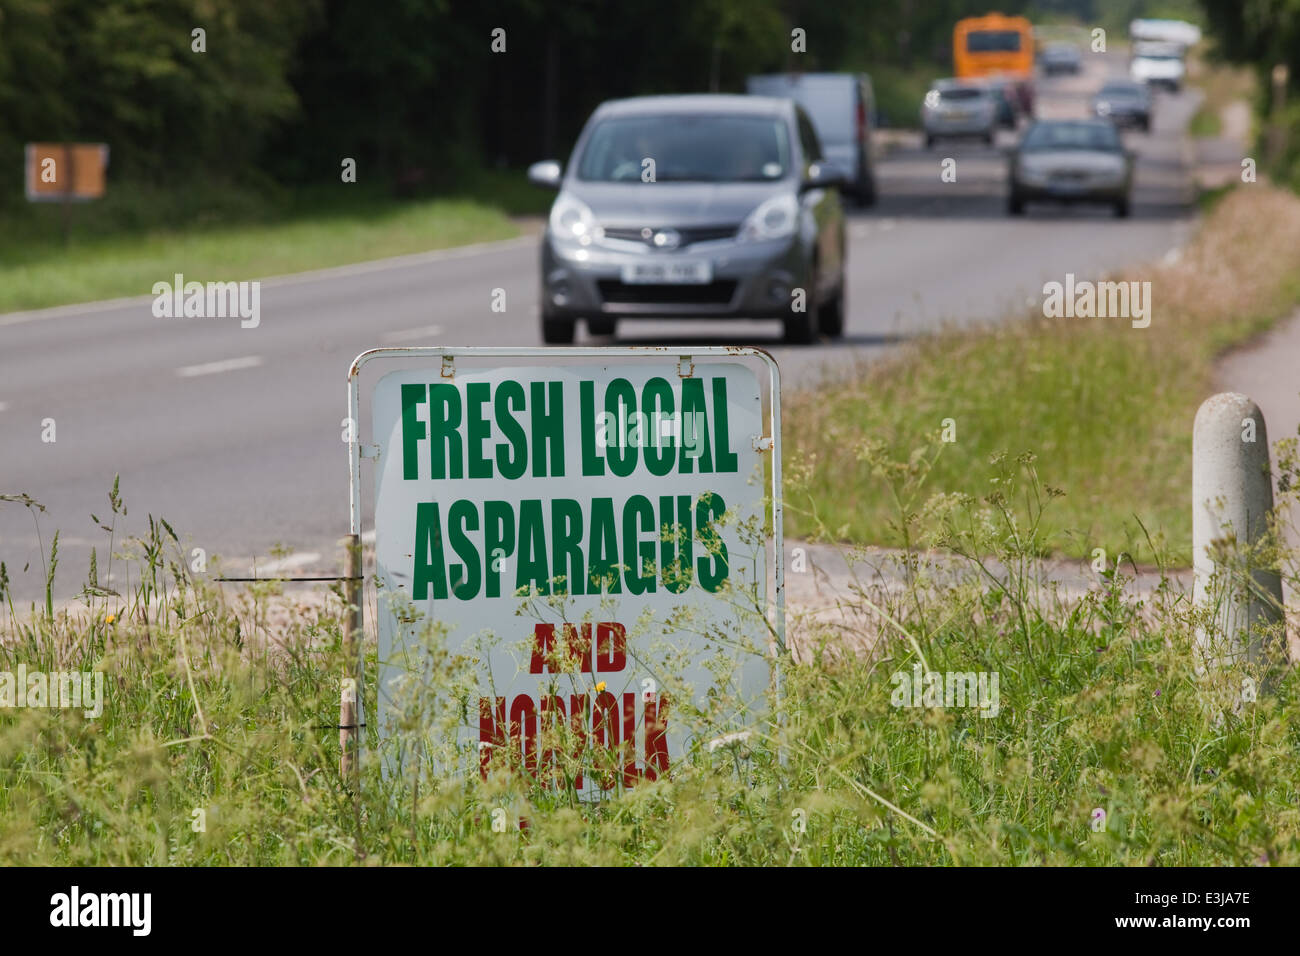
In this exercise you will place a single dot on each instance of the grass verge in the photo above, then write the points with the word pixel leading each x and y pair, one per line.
pixel 1220 85
pixel 216 741
pixel 1107 408
pixel 140 234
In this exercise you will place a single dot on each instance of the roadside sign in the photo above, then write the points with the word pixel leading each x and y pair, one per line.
pixel 591 528
pixel 57 172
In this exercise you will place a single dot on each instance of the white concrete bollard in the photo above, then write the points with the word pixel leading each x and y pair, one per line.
pixel 1232 501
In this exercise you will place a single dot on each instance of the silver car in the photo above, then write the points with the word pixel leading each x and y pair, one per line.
pixel 953 108
pixel 700 206
pixel 1070 161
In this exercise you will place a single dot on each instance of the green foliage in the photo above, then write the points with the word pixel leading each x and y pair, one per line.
pixel 1101 705
pixel 1107 407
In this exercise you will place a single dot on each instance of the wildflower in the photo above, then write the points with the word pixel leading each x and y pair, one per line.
pixel 600 687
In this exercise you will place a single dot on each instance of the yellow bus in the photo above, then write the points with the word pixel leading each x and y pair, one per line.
pixel 992 44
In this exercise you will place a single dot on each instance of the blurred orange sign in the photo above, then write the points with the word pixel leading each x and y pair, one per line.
pixel 61 171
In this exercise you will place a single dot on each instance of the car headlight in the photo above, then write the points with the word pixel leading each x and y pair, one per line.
pixel 1103 109
pixel 775 218
pixel 1031 174
pixel 572 220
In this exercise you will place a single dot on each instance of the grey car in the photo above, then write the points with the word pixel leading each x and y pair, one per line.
pixel 694 207
pixel 1060 58
pixel 1070 161
pixel 1124 103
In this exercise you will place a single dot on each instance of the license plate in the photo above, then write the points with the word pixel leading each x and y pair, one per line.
pixel 671 272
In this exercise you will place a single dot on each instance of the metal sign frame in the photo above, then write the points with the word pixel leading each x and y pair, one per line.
pixel 686 357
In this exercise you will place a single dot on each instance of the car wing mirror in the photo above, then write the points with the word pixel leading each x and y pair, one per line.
pixel 547 174
pixel 823 174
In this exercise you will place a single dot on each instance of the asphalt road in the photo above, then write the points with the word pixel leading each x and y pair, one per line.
pixel 233 434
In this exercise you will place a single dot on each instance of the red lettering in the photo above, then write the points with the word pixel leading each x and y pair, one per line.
pixel 579 715
pixel 491 732
pixel 611 647
pixel 523 731
pixel 630 773
pixel 553 717
pixel 656 737
pixel 543 648
pixel 605 736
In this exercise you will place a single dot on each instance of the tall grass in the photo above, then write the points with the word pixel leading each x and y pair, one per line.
pixel 1102 706
pixel 1107 407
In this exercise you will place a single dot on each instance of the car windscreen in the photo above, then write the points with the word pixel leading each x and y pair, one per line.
pixel 1121 92
pixel 1090 136
pixel 993 41
pixel 687 147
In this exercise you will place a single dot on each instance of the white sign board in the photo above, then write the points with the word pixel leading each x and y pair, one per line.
pixel 594 537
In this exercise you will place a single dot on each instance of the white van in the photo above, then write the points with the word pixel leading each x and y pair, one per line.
pixel 842 108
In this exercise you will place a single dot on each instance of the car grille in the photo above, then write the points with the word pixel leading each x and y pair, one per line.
pixel 690 234
pixel 718 292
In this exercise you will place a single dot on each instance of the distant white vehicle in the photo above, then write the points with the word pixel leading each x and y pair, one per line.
pixel 1158 64
pixel 1171 31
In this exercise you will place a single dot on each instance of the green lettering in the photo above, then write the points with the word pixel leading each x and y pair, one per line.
pixel 444 441
pixel 566 551
pixel 604 548
pixel 532 549
pixel 592 463
pixel 462 516
pixel 548 428
pixel 412 430
pixel 477 394
pixel 638 554
pixel 429 565
pixel 712 568
pixel 510 399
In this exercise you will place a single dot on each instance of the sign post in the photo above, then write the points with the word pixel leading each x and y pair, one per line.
pixel 65 173
pixel 591 530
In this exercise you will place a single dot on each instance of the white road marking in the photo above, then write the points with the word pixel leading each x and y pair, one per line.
pixel 214 368
pixel 425 332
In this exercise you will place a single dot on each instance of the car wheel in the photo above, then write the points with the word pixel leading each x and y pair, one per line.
pixel 602 326
pixel 929 141
pixel 866 195
pixel 988 138
pixel 1015 205
pixel 801 327
pixel 557 331
pixel 1121 208
pixel 830 319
